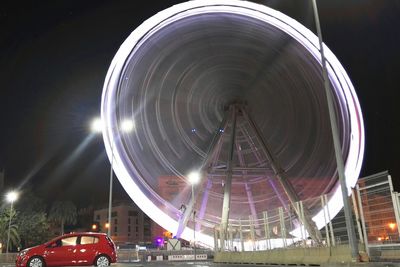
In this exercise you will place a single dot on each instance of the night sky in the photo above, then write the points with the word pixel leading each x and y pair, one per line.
pixel 54 56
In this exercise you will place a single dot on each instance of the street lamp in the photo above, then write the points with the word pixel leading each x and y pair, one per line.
pixel 97 126
pixel 336 143
pixel 194 178
pixel 11 197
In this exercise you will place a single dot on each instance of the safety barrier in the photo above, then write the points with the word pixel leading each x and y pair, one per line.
pixel 8 258
pixel 293 256
pixel 127 255
pixel 187 257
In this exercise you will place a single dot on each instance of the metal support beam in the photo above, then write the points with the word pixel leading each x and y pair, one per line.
pixel 283 228
pixel 216 248
pixel 394 201
pixel 266 230
pixel 336 142
pixel 357 212
pixel 204 203
pixel 330 221
pixel 324 208
pixel 280 175
pixel 228 181
pixel 241 235
pixel 183 220
pixel 267 172
pixel 360 208
pixel 252 233
pixel 246 185
pixel 220 131
pixel 218 135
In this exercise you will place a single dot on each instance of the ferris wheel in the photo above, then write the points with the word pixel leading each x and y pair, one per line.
pixel 231 91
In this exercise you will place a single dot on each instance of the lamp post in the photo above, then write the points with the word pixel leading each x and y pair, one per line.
pixel 11 197
pixel 194 178
pixel 97 126
pixel 351 233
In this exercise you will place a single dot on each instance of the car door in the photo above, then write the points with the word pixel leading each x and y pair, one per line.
pixel 61 252
pixel 86 249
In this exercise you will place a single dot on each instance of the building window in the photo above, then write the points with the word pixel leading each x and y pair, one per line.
pixel 115 230
pixel 129 228
pixel 129 220
pixel 98 217
pixel 137 221
pixel 114 214
pixel 115 221
pixel 133 213
pixel 137 229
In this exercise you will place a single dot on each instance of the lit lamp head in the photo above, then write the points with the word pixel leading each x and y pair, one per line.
pixel 392 226
pixel 96 125
pixel 126 126
pixel 12 196
pixel 194 177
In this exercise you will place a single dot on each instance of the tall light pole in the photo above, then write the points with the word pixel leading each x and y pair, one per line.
pixel 351 233
pixel 11 197
pixel 97 126
pixel 194 178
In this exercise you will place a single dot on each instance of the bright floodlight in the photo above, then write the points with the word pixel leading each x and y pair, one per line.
pixel 127 125
pixel 12 196
pixel 97 125
pixel 194 177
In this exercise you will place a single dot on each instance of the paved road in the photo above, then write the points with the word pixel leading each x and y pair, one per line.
pixel 179 264
pixel 165 263
pixel 211 264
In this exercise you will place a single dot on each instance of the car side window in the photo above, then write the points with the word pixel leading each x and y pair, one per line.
pixel 69 241
pixel 89 240
pixel 55 244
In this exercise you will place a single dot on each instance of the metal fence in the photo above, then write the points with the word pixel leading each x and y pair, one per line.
pixel 285 227
pixel 378 210
pixel 375 217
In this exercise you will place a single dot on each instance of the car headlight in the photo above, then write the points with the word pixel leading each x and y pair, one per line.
pixel 23 253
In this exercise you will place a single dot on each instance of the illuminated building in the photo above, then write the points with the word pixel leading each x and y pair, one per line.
pixel 129 224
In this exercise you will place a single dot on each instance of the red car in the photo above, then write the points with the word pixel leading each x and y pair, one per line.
pixel 70 249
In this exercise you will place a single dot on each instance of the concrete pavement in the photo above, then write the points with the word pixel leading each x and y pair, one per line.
pixel 211 264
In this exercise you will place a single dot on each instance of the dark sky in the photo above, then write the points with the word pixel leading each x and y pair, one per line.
pixel 54 56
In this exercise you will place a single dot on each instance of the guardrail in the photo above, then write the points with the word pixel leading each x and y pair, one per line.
pixel 295 256
pixel 131 255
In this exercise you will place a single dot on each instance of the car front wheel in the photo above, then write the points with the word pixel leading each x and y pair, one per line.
pixel 36 262
pixel 102 261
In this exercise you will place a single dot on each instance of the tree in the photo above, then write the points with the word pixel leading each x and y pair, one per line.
pixel 33 226
pixel 5 227
pixel 63 212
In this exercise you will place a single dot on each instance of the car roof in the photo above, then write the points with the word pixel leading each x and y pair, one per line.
pixel 83 233
pixel 76 234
